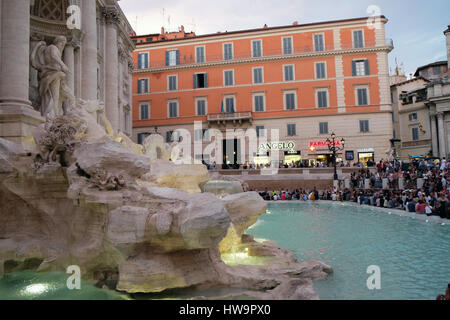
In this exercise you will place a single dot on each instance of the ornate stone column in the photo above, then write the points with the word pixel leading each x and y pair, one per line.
pixel 15 53
pixel 112 67
pixel 17 117
pixel 89 50
pixel 441 135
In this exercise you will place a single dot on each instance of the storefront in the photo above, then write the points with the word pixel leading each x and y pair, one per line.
pixel 261 158
pixel 319 153
pixel 366 155
pixel 292 157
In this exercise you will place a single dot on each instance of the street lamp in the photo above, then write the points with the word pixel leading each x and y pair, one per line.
pixel 333 148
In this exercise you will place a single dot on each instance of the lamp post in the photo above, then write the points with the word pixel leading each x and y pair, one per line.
pixel 333 148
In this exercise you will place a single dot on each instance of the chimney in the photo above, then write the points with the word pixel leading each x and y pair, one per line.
pixel 163 31
pixel 447 35
pixel 295 23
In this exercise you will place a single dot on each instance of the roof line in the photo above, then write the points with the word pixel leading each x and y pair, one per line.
pixel 259 29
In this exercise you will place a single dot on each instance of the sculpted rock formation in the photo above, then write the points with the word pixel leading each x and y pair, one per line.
pixel 144 224
pixel 186 177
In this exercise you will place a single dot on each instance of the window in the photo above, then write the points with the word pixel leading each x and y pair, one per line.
pixel 143 60
pixel 201 107
pixel 142 136
pixel 323 127
pixel 172 136
pixel 291 130
pixel 360 68
pixel 172 82
pixel 201 134
pixel 173 109
pixel 364 125
pixel 322 98
pixel 228 51
pixel 318 42
pixel 415 134
pixel 200 54
pixel 259 103
pixel 229 77
pixel 256 48
pixel 144 111
pixel 260 132
pixel 358 39
pixel 172 58
pixel 288 73
pixel 362 97
pixel 290 101
pixel 229 104
pixel 149 39
pixel 143 86
pixel 413 116
pixel 321 70
pixel 287 45
pixel 258 75
pixel 200 80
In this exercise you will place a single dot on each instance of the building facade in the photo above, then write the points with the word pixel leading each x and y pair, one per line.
pixel 421 110
pixel 97 54
pixel 303 81
pixel 412 126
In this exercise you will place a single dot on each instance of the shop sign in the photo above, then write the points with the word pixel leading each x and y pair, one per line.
pixel 292 153
pixel 366 150
pixel 322 144
pixel 279 145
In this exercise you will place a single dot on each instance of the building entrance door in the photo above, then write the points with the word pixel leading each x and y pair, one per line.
pixel 231 152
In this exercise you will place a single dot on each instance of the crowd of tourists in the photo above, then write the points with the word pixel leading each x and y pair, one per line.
pixel 431 197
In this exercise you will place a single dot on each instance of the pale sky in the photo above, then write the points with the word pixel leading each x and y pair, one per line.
pixel 416 26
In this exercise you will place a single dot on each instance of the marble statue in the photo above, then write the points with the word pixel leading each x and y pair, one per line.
pixel 52 76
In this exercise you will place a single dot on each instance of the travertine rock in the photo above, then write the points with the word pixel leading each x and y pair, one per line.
pixel 244 209
pixel 150 238
pixel 186 177
pixel 220 187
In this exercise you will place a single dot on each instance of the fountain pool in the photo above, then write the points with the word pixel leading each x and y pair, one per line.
pixel 413 255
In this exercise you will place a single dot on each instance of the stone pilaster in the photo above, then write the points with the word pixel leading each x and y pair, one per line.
pixel 340 83
pixel 337 38
pixel 441 135
pixel 89 51
pixel 112 67
pixel 434 136
pixel 17 117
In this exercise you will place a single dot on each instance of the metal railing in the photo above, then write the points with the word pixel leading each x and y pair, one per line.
pixel 191 59
pixel 227 116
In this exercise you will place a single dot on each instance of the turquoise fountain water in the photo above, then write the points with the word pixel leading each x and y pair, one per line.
pixel 413 255
pixel 26 285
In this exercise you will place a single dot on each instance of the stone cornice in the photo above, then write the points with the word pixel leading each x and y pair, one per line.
pixel 264 59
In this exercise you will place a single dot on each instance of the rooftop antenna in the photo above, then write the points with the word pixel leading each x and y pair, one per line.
pixel 136 24
pixel 164 17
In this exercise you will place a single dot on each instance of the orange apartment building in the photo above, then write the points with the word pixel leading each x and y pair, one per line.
pixel 304 80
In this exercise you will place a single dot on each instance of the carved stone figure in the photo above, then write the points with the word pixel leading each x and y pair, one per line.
pixel 52 76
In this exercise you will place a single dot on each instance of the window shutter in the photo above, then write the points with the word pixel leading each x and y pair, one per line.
pixel 146 61
pixel 139 86
pixel 178 57
pixel 167 58
pixel 195 81
pixel 366 67
pixel 354 68
pixel 140 61
pixel 206 80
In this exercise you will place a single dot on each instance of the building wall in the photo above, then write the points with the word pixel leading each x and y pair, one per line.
pixel 340 83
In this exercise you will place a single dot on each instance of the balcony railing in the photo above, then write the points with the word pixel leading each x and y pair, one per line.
pixel 237 56
pixel 230 116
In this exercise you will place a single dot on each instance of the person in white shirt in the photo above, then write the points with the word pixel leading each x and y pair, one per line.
pixel 428 209
pixel 443 164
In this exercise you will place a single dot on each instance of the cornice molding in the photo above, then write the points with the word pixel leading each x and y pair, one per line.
pixel 264 59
